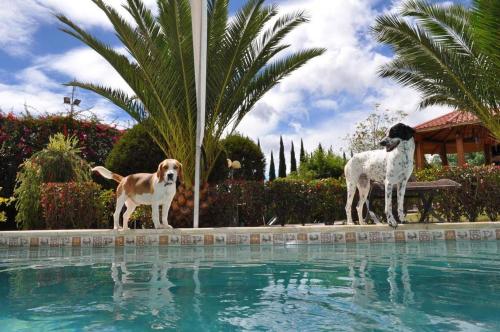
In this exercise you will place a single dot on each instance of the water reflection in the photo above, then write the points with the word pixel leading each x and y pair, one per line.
pixel 447 285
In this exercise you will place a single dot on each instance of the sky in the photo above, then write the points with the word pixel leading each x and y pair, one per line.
pixel 320 103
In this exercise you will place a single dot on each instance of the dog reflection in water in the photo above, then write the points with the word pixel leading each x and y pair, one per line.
pixel 132 285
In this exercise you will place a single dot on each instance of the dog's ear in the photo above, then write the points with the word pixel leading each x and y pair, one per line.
pixel 412 131
pixel 180 174
pixel 160 173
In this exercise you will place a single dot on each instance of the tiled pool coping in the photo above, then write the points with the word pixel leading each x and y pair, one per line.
pixel 277 236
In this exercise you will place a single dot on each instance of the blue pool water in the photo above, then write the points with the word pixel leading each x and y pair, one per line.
pixel 441 286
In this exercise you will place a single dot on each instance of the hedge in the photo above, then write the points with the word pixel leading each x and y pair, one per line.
pixel 479 193
pixel 300 202
pixel 20 137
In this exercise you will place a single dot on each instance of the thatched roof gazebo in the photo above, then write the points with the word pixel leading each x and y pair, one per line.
pixel 456 132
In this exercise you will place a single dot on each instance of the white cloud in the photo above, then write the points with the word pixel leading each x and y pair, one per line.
pixel 18 22
pixel 348 70
pixel 19 19
pixel 84 64
pixel 329 104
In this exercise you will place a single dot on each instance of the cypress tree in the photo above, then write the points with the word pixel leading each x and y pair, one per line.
pixel 272 169
pixel 282 163
pixel 343 156
pixel 302 152
pixel 293 161
pixel 258 144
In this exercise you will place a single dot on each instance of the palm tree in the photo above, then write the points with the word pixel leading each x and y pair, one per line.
pixel 436 53
pixel 159 68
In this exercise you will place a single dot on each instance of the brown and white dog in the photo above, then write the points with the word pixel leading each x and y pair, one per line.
pixel 153 189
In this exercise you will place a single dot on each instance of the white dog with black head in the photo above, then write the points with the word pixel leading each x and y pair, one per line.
pixel 391 166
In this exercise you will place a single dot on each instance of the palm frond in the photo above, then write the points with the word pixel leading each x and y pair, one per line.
pixel 436 53
pixel 160 68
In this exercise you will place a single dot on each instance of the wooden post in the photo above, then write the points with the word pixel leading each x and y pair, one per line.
pixel 420 158
pixel 487 154
pixel 442 154
pixel 460 150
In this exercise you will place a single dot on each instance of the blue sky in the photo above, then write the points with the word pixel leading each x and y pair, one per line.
pixel 320 103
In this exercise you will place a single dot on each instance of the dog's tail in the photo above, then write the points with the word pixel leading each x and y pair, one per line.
pixel 107 173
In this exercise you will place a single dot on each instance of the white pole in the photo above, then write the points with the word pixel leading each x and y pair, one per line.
pixel 199 24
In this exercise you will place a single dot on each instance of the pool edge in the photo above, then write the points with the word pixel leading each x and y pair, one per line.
pixel 275 235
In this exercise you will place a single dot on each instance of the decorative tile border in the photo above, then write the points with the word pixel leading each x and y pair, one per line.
pixel 261 236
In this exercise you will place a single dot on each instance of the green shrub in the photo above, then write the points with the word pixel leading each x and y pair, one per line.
pixel 72 205
pixel 243 149
pixel 135 152
pixel 27 195
pixel 58 162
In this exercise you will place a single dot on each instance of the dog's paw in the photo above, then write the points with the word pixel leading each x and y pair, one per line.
pixel 392 222
pixel 349 223
pixel 117 228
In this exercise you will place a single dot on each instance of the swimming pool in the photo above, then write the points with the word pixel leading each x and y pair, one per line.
pixel 437 286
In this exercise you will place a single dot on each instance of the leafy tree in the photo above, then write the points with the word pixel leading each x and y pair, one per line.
pixel 449 53
pixel 245 60
pixel 372 130
pixel 243 149
pixel 320 164
pixel 293 161
pixel 282 162
pixel 272 169
pixel 302 151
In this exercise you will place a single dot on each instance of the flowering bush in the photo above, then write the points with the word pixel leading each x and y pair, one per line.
pixel 479 193
pixel 20 137
pixel 72 205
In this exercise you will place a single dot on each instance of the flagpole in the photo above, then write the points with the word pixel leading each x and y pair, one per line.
pixel 199 24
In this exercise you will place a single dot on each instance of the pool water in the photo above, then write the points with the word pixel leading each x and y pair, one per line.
pixel 440 286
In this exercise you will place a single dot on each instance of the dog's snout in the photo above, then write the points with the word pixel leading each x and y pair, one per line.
pixel 384 142
pixel 170 176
